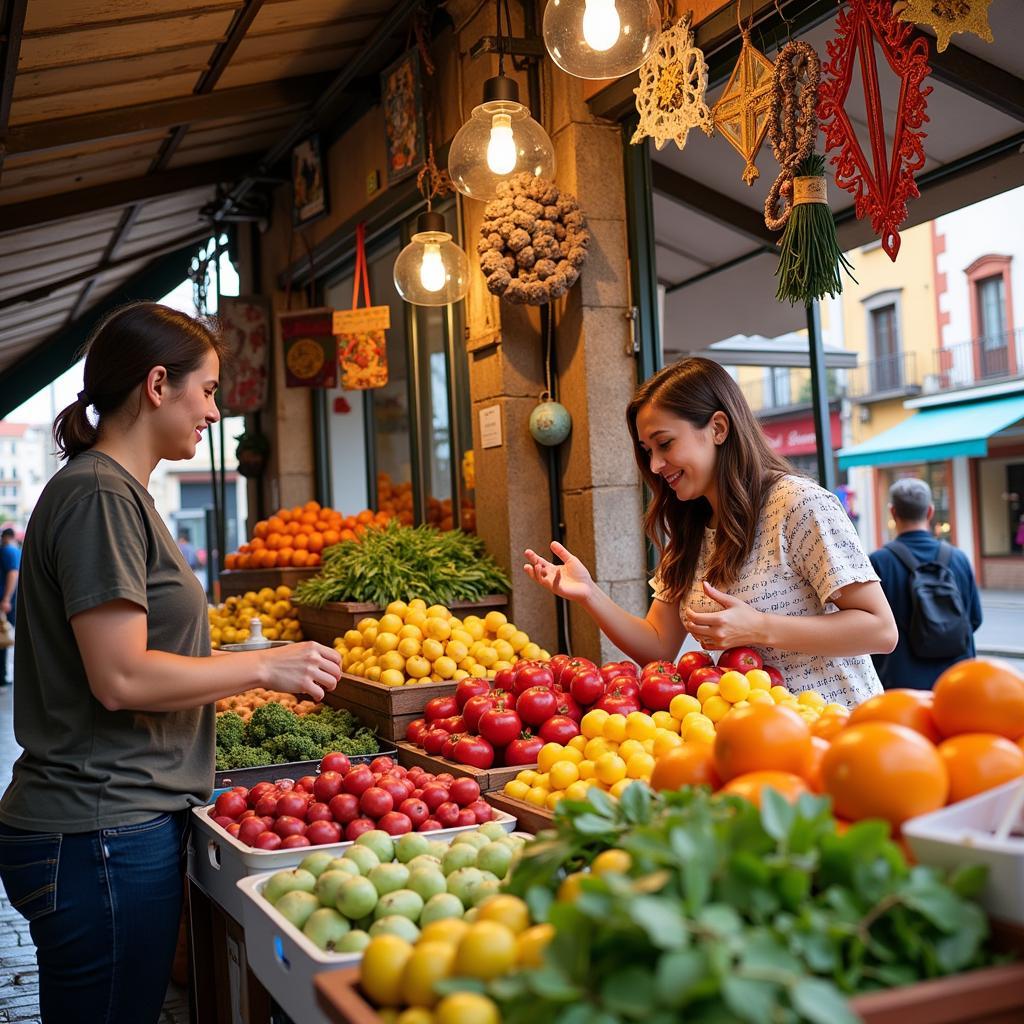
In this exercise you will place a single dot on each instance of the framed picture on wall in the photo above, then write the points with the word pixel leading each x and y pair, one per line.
pixel 309 183
pixel 402 94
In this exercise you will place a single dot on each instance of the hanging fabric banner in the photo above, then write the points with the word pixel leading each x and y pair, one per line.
pixel 245 326
pixel 310 348
pixel 362 346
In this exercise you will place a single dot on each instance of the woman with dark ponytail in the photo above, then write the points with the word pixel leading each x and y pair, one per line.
pixel 115 679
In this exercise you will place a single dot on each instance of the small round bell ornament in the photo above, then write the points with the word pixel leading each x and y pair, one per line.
pixel 550 422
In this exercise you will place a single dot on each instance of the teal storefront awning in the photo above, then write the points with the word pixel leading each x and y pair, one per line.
pixel 937 433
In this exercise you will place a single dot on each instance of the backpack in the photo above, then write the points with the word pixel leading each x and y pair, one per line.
pixel 939 623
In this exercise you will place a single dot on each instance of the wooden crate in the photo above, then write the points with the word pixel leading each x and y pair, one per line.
pixel 529 818
pixel 335 618
pixel 238 581
pixel 992 995
pixel 488 779
pixel 387 710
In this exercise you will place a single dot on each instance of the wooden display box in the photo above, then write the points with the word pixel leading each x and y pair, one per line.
pixel 238 581
pixel 993 995
pixel 387 710
pixel 335 618
pixel 529 817
pixel 488 779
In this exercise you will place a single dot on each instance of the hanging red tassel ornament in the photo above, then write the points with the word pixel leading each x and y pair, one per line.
pixel 880 182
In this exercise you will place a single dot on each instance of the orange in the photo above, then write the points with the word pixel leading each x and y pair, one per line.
pixel 260 529
pixel 691 764
pixel 366 516
pixel 347 534
pixel 275 524
pixel 812 769
pixel 313 559
pixel 231 561
pixel 312 506
pixel 884 770
pixel 912 708
pixel 977 761
pixel 300 558
pixel 980 695
pixel 269 559
pixel 284 556
pixel 828 726
pixel 293 528
pixel 316 542
pixel 761 737
pixel 331 537
pixel 244 561
pixel 751 785
pixel 257 544
pixel 301 542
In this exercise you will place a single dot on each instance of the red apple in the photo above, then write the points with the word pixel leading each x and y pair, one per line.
pixel 415 810
pixel 223 820
pixel 464 791
pixel 294 842
pixel 260 790
pixel 434 795
pixel 395 823
pixel 320 833
pixel 692 660
pixel 466 817
pixel 335 762
pixel 447 814
pixel 776 676
pixel 233 828
pixel 354 829
pixel 482 811
pixel 268 841
pixel 327 786
pixel 286 826
pixel 306 783
pixel 319 811
pixel 344 808
pixel 357 780
pixel 743 659
pixel 292 805
pixel 430 825
pixel 266 806
pixel 230 805
pixel 376 802
pixel 250 830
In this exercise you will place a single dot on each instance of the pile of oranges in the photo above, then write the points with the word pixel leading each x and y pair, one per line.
pixel 397 500
pixel 295 537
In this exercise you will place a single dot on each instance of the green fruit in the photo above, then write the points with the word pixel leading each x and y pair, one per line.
pixel 439 907
pixel 388 877
pixel 496 858
pixel 357 898
pixel 474 839
pixel 326 928
pixel 411 845
pixel 297 906
pixel 403 902
pixel 363 857
pixel 464 883
pixel 425 860
pixel 427 882
pixel 461 855
pixel 516 842
pixel 286 881
pixel 488 887
pixel 438 848
pixel 317 863
pixel 329 885
pixel 493 830
pixel 380 842
pixel 344 864
pixel 395 924
pixel 355 942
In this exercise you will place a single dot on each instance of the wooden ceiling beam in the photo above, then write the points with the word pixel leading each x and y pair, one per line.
pixel 248 99
pixel 977 78
pixel 12 22
pixel 120 193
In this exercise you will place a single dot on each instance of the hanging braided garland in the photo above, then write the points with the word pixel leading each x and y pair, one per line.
pixel 810 258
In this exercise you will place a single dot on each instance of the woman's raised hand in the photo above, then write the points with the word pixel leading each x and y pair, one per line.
pixel 570 580
pixel 308 668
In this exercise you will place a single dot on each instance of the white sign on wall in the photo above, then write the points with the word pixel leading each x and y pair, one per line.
pixel 490 427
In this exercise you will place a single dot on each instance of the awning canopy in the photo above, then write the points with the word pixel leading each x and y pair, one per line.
pixel 942 432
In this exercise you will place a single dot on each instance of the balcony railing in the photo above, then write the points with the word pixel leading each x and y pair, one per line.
pixel 766 398
pixel 981 361
pixel 890 375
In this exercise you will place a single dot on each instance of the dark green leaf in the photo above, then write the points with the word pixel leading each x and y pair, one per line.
pixel 931 899
pixel 969 880
pixel 602 803
pixel 446 986
pixel 751 1000
pixel 763 952
pixel 661 919
pixel 539 900
pixel 777 814
pixel 550 983
pixel 719 919
pixel 678 974
pixel 820 1002
pixel 794 886
pixel 635 803
pixel 629 992
pixel 593 825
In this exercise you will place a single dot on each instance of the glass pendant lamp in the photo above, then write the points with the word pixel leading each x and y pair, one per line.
pixel 431 270
pixel 600 38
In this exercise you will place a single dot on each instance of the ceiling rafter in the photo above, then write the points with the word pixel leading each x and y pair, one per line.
pixel 12 23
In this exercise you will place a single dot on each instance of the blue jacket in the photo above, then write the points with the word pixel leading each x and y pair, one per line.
pixel 903 669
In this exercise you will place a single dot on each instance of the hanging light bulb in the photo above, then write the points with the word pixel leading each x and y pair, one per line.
pixel 499 139
pixel 601 38
pixel 601 24
pixel 431 270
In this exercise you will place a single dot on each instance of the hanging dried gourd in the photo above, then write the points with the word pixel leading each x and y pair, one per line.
pixel 948 17
pixel 673 83
pixel 741 113
pixel 810 259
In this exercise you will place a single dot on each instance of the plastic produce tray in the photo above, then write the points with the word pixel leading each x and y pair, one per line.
pixel 293 770
pixel 217 861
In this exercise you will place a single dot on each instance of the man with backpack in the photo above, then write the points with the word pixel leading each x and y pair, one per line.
pixel 931 590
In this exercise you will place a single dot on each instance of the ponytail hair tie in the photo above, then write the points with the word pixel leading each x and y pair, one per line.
pixel 84 398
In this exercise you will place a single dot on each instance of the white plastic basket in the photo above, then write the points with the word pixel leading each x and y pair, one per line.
pixel 217 861
pixel 283 958
pixel 979 830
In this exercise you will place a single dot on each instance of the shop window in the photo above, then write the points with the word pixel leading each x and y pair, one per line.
pixel 991 305
pixel 936 475
pixel 885 349
pixel 778 390
pixel 1001 506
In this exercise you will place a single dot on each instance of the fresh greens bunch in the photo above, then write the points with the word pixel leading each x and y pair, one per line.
pixel 727 913
pixel 276 735
pixel 399 563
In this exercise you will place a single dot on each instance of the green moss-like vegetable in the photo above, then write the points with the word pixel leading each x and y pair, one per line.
pixel 230 731
pixel 235 758
pixel 268 721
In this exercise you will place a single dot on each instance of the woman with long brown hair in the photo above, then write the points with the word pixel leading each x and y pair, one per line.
pixel 751 554
pixel 115 679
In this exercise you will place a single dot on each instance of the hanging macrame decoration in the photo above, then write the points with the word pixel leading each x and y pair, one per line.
pixel 881 181
pixel 673 84
pixel 534 241
pixel 948 17
pixel 810 259
pixel 741 113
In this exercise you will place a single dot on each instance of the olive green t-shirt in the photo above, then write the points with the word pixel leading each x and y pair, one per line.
pixel 95 536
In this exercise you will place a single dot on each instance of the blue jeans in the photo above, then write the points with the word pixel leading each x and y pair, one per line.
pixel 103 909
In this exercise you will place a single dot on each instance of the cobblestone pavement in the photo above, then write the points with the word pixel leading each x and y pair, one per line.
pixel 19 978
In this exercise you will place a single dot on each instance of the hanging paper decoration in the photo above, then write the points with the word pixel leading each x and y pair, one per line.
pixel 673 84
pixel 741 113
pixel 880 182
pixel 948 17
pixel 534 241
pixel 310 348
pixel 246 329
pixel 362 346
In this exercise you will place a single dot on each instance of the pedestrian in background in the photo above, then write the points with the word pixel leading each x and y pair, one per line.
pixel 932 592
pixel 10 566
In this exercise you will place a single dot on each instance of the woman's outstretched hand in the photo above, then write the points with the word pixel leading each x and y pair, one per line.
pixel 570 580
